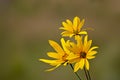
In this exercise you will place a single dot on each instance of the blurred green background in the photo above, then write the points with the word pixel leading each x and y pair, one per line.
pixel 27 25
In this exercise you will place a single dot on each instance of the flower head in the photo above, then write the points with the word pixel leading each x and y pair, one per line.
pixel 82 51
pixel 73 29
pixel 59 57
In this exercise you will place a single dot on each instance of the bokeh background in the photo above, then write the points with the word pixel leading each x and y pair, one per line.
pixel 27 25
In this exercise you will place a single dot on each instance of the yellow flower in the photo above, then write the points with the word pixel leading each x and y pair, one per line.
pixel 59 57
pixel 73 29
pixel 82 51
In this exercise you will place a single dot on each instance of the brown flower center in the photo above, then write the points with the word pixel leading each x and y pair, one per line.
pixel 76 32
pixel 82 55
pixel 64 57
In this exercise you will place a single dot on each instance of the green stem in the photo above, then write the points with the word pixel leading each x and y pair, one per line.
pixel 75 72
pixel 86 73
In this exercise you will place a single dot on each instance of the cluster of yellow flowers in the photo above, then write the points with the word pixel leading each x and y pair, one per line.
pixel 75 52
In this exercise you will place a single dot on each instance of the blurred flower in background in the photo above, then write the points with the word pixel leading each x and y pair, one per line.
pixel 73 28
pixel 26 26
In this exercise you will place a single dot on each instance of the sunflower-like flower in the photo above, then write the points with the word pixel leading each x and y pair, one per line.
pixel 82 51
pixel 59 57
pixel 73 29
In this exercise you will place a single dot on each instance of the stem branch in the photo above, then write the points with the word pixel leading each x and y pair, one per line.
pixel 75 72
pixel 86 73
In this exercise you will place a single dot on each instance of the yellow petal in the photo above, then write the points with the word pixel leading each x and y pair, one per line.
pixel 92 48
pixel 88 45
pixel 65 35
pixel 48 61
pixel 82 62
pixel 87 64
pixel 76 36
pixel 52 62
pixel 81 24
pixel 56 46
pixel 82 32
pixel 76 21
pixel 64 45
pixel 67 28
pixel 69 22
pixel 65 63
pixel 62 28
pixel 85 42
pixel 72 56
pixel 92 53
pixel 67 32
pixel 90 57
pixel 53 55
pixel 79 41
pixel 53 67
pixel 77 66
pixel 64 24
pixel 74 48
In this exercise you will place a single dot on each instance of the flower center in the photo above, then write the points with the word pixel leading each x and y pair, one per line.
pixel 64 57
pixel 76 32
pixel 82 55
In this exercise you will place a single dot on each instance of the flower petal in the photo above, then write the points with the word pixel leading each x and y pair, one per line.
pixel 88 45
pixel 67 33
pixel 92 48
pixel 74 48
pixel 82 62
pixel 79 41
pixel 64 45
pixel 87 64
pixel 92 53
pixel 90 57
pixel 53 55
pixel 53 67
pixel 76 21
pixel 77 66
pixel 69 22
pixel 82 32
pixel 56 46
pixel 72 56
pixel 51 62
pixel 81 24
pixel 67 27
pixel 64 24
pixel 85 42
